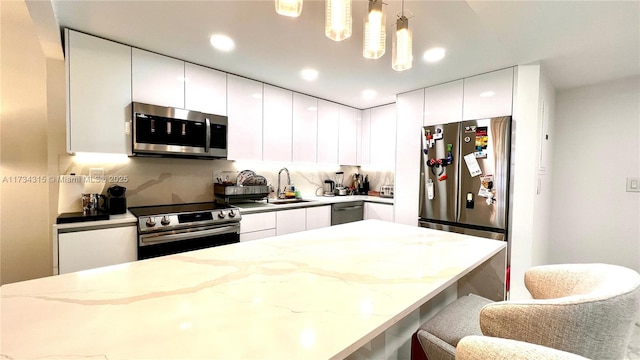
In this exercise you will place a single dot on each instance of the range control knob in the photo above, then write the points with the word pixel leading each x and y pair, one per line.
pixel 165 220
pixel 221 214
pixel 232 213
pixel 151 222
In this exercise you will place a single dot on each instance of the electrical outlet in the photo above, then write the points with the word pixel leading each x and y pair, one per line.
pixel 96 174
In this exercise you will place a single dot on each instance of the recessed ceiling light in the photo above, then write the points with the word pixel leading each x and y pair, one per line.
pixel 433 55
pixel 369 94
pixel 309 74
pixel 487 94
pixel 222 42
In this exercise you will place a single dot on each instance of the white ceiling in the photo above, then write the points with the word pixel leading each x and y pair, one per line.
pixel 577 42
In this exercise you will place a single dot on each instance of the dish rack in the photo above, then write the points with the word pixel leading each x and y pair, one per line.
pixel 248 186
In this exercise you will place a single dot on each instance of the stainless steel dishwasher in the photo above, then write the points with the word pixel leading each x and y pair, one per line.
pixel 346 212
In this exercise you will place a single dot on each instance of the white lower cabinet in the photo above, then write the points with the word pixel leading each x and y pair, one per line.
pixel 291 221
pixel 378 211
pixel 272 223
pixel 89 249
pixel 318 217
pixel 257 226
pixel 257 235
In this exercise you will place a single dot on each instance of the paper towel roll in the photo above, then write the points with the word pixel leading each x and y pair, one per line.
pixel 70 188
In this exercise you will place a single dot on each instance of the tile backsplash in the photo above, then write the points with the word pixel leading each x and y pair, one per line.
pixel 155 181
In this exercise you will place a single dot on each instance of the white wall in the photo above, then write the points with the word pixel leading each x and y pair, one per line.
pixel 26 245
pixel 597 146
pixel 522 230
pixel 532 192
pixel 543 196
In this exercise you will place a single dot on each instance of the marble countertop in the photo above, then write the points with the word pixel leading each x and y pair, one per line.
pixel 263 206
pixel 125 219
pixel 319 294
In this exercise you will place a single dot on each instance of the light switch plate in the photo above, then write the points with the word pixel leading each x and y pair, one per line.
pixel 633 184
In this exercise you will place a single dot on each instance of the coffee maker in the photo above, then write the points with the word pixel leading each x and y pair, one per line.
pixel 116 201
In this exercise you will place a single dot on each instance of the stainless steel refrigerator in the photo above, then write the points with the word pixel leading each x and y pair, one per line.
pixel 465 177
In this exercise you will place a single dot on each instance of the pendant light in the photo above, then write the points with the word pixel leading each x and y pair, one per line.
pixel 291 8
pixel 402 52
pixel 375 34
pixel 337 25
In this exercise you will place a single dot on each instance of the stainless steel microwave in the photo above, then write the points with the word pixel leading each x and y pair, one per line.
pixel 167 131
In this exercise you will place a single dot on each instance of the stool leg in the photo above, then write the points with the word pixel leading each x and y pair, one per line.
pixel 417 353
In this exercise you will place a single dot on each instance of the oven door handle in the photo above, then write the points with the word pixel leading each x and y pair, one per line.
pixel 161 238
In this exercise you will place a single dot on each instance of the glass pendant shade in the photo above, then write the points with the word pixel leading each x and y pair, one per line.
pixel 402 53
pixel 337 25
pixel 291 8
pixel 375 34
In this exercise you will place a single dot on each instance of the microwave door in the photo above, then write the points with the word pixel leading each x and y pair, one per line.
pixel 217 137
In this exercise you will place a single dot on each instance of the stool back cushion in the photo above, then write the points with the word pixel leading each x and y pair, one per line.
pixel 585 309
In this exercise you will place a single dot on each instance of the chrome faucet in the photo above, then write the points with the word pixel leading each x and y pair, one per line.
pixel 278 193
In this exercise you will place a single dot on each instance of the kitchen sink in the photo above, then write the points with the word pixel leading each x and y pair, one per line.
pixel 288 201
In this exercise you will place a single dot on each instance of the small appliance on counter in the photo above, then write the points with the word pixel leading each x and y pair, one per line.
pixel 340 190
pixel 386 191
pixel 116 200
pixel 92 203
pixel 92 210
pixel 328 188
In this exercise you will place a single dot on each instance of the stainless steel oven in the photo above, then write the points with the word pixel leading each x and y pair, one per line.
pixel 166 131
pixel 171 229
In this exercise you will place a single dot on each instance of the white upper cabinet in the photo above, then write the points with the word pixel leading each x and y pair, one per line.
pixel 99 94
pixel 383 137
pixel 157 79
pixel 244 110
pixel 305 128
pixel 277 124
pixel 328 122
pixel 443 103
pixel 407 175
pixel 205 89
pixel 347 136
pixel 488 95
pixel 364 155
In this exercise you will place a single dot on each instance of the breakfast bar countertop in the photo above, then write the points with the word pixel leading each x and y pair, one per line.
pixel 318 294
